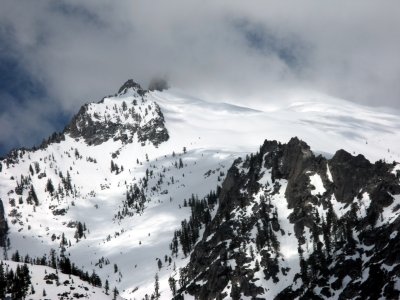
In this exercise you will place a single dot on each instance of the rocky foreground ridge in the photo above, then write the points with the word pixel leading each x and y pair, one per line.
pixel 293 225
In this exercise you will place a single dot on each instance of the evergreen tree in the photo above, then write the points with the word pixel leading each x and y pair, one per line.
pixel 63 241
pixel 303 265
pixel 65 265
pixel 15 257
pixel 251 252
pixel 50 187
pixel 37 167
pixel 31 170
pixel 9 279
pixel 257 266
pixel 172 285
pixel 33 196
pixel 156 287
pixel 174 244
pixel 79 231
pixel 159 264
pixel 68 185
pixel 3 282
pixel 106 286
pixel 235 292
pixel 95 279
pixel 115 293
pixel 22 281
pixel 53 259
pixel 180 163
pixel 76 153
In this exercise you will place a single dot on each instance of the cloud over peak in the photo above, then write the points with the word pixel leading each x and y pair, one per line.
pixel 80 51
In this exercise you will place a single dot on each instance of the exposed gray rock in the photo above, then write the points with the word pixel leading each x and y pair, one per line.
pixel 350 174
pixel 130 84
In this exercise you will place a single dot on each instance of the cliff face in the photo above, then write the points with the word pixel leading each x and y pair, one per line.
pixel 291 224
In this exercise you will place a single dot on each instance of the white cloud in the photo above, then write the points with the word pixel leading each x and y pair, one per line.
pixel 83 50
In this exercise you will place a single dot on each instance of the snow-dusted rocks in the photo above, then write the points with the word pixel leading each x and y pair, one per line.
pixel 128 115
pixel 281 199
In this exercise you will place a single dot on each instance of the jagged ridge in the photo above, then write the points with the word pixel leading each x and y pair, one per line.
pixel 335 205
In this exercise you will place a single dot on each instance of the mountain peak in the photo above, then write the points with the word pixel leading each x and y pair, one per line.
pixel 135 118
pixel 131 84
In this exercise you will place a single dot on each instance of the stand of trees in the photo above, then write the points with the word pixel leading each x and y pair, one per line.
pixel 189 233
pixel 61 263
pixel 15 283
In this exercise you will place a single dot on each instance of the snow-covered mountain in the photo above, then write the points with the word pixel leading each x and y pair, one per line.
pixel 131 176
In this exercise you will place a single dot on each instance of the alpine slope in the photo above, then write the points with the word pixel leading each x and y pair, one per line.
pixel 142 190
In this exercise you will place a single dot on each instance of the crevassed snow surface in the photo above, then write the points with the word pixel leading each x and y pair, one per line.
pixel 214 135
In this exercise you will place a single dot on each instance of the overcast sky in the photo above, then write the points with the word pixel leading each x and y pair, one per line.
pixel 57 55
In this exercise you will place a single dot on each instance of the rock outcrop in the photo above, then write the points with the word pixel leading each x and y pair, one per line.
pixel 338 220
pixel 121 122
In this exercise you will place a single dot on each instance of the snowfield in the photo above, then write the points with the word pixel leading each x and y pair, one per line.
pixel 68 286
pixel 205 138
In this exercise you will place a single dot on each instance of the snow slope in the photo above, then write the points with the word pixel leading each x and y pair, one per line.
pixel 67 287
pixel 214 134
pixel 326 123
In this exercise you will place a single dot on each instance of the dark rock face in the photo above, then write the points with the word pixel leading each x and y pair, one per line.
pixel 95 132
pixel 291 162
pixel 347 169
pixel 130 84
pixel 355 250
